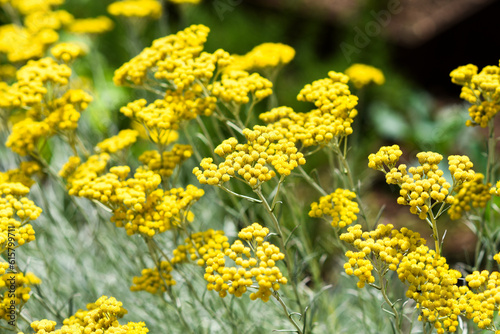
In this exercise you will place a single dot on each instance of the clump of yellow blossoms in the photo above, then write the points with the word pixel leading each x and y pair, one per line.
pixel 263 56
pixel 137 203
pixel 136 8
pixel 186 44
pixel 198 247
pixel 236 86
pixel 16 211
pixel 151 281
pixel 330 122
pixel 384 246
pixel 98 25
pixel 471 194
pixel 67 52
pixel 22 174
pixel 101 317
pixel 253 264
pixel 339 206
pixel 52 108
pixel 14 290
pixel 249 162
pixel 434 287
pixel 361 75
pixel 162 117
pixel 423 186
pixel 124 138
pixel 481 89
pixel 165 163
pixel 21 44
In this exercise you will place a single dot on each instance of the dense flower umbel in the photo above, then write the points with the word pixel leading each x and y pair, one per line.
pixel 150 280
pixel 136 8
pixel 332 120
pixel 426 184
pixel 165 163
pixel 481 89
pixel 122 140
pixel 14 290
pixel 201 246
pixel 471 194
pixel 21 44
pixel 263 56
pixel 236 86
pixel 361 75
pixel 249 162
pixel 16 211
pixel 339 206
pixel 186 44
pixel 98 25
pixel 101 317
pixel 434 287
pixel 385 246
pixel 162 117
pixel 67 52
pixel 253 264
pixel 137 203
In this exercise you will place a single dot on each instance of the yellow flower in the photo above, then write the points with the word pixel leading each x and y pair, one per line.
pixel 339 206
pixel 250 162
pixel 361 75
pixel 122 140
pixel 253 264
pixel 470 194
pixel 67 52
pixel 136 8
pixel 98 25
pixel 481 89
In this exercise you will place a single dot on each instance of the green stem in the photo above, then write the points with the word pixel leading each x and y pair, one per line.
pixel 491 153
pixel 282 244
pixel 383 290
pixel 311 181
pixel 288 314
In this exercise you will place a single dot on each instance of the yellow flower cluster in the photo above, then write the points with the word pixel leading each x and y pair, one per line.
pixel 67 52
pixel 21 44
pixel 482 304
pixel 151 281
pixel 471 194
pixel 236 86
pixel 249 162
pixel 332 118
pixel 41 89
pixel 481 89
pixel 14 290
pixel 338 205
pixel 255 263
pixel 26 7
pixel 264 56
pixel 66 110
pixel 124 138
pixel 137 203
pixel 101 317
pixel 183 68
pixel 361 75
pixel 200 246
pixel 386 156
pixel 136 8
pixel 161 117
pixel 186 44
pixel 16 210
pixel 165 163
pixel 22 174
pixel 384 245
pixel 97 25
pixel 434 287
pixel 426 182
